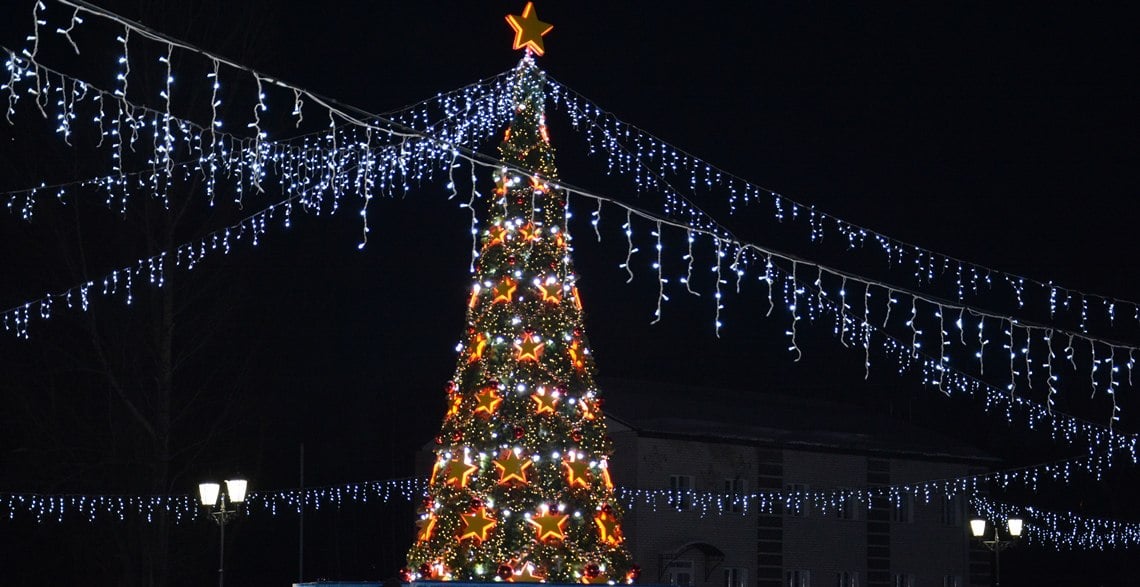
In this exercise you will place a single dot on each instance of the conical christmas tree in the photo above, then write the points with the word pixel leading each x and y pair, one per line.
pixel 521 490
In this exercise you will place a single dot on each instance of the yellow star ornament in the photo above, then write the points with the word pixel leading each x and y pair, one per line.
pixel 426 526
pixel 529 348
pixel 551 291
pixel 512 467
pixel 487 401
pixel 457 472
pixel 529 30
pixel 504 290
pixel 476 525
pixel 528 574
pixel 609 531
pixel 543 404
pixel 550 526
pixel 477 348
pixel 577 473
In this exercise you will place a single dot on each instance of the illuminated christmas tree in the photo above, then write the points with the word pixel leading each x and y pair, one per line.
pixel 521 490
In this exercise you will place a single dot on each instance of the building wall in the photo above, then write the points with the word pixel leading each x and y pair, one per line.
pixel 653 535
pixel 874 546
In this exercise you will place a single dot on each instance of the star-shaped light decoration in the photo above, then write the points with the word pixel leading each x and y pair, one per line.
pixel 476 525
pixel 457 473
pixel 477 348
pixel 577 473
pixel 426 527
pixel 453 410
pixel 577 298
pixel 529 348
pixel 528 232
pixel 501 181
pixel 512 468
pixel 504 290
pixel 528 29
pixel 551 291
pixel 538 185
pixel 577 355
pixel 487 401
pixel 550 525
pixel 496 235
pixel 606 476
pixel 543 403
pixel 587 409
pixel 528 574
pixel 609 531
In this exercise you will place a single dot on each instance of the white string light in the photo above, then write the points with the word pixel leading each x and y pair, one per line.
pixel 656 160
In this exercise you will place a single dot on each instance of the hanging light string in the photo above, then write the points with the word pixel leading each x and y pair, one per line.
pixel 48 508
pixel 648 160
pixel 857 328
pixel 1062 530
pixel 16 319
pixel 700 172
pixel 465 114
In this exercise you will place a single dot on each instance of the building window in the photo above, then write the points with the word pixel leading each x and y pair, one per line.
pixel 952 510
pixel 797 504
pixel 902 509
pixel 951 581
pixel 679 573
pixel 847 579
pixel 680 486
pixel 902 580
pixel 797 578
pixel 848 507
pixel 734 577
pixel 734 490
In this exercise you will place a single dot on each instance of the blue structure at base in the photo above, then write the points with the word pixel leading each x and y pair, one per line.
pixel 340 584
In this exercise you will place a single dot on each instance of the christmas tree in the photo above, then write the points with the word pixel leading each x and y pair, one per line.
pixel 521 489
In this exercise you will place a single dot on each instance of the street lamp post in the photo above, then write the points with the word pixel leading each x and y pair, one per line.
pixel 215 501
pixel 978 529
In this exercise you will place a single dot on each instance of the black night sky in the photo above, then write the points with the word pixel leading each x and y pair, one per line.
pixel 1008 135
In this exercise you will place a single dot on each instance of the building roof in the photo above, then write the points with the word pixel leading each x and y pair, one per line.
pixel 663 409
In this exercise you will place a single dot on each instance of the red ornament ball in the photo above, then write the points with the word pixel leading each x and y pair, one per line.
pixel 519 432
pixel 576 435
pixel 439 440
pixel 592 570
pixel 406 575
pixel 476 503
pixel 634 572
pixel 456 436
pixel 425 570
pixel 505 572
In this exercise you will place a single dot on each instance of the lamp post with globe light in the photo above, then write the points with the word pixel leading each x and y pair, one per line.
pixel 216 501
pixel 996 544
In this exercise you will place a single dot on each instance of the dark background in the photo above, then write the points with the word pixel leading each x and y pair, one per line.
pixel 1006 135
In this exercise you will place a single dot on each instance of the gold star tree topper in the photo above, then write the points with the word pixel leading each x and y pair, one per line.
pixel 528 29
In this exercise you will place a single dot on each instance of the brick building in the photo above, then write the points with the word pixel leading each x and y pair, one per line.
pixel 723 441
